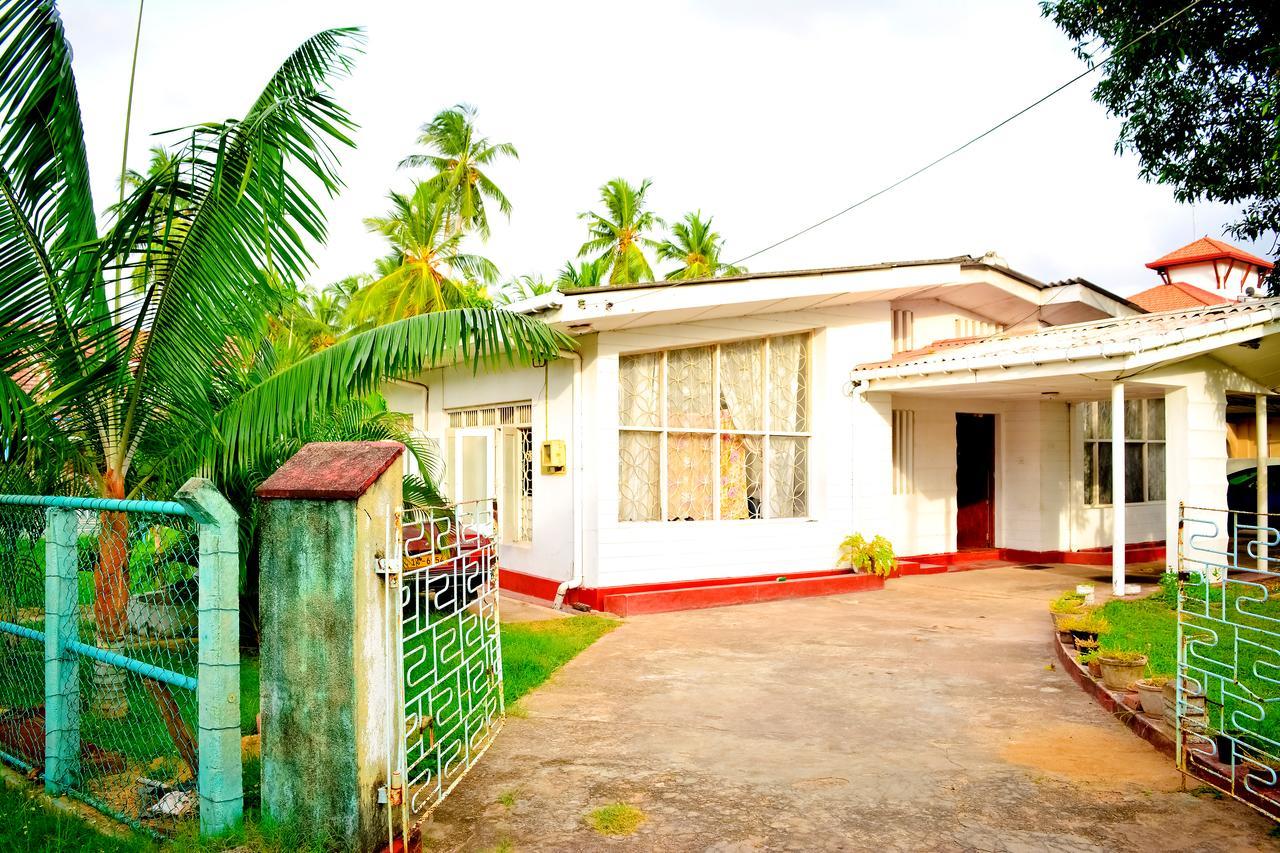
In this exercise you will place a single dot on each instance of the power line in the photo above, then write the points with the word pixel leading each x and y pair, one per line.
pixel 954 151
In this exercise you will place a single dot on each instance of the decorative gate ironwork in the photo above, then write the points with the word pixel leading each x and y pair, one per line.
pixel 1227 693
pixel 443 608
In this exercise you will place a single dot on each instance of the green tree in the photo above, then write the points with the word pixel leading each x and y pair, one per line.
pixel 590 273
pixel 457 154
pixel 620 234
pixel 522 287
pixel 1198 98
pixel 696 248
pixel 432 272
pixel 117 400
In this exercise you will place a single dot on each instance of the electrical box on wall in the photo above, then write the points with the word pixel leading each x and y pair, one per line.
pixel 553 457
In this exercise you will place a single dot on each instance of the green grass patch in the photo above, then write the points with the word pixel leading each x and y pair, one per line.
pixel 616 819
pixel 30 823
pixel 533 651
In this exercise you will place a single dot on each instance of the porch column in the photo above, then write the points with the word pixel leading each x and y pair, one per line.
pixel 1264 457
pixel 1117 489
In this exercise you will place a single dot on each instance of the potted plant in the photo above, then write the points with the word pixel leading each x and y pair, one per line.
pixel 874 557
pixel 1087 626
pixel 1194 706
pixel 1151 694
pixel 1083 646
pixel 1121 669
pixel 1090 660
pixel 1064 607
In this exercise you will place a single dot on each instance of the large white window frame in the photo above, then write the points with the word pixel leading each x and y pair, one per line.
pixel 1146 461
pixel 766 436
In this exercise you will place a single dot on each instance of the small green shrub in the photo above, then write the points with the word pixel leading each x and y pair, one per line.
pixel 1168 589
pixel 1068 602
pixel 874 557
pixel 1087 623
pixel 616 819
pixel 1089 656
pixel 1121 657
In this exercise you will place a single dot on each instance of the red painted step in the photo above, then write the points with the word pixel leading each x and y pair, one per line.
pixel 721 595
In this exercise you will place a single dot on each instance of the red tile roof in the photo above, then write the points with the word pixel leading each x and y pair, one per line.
pixel 1207 249
pixel 1176 296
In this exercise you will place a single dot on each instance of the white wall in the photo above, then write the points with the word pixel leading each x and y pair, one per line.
pixel 550 553
pixel 1222 276
pixel 651 552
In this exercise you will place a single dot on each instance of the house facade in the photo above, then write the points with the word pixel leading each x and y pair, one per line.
pixel 736 429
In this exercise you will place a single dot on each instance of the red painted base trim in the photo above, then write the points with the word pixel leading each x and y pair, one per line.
pixel 1135 552
pixel 692 594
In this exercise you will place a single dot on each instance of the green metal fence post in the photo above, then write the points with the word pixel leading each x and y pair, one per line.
pixel 61 665
pixel 221 783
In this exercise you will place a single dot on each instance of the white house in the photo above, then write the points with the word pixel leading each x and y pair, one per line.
pixel 708 437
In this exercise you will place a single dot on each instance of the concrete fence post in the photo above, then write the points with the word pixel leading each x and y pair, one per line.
pixel 61 665
pixel 327 683
pixel 220 781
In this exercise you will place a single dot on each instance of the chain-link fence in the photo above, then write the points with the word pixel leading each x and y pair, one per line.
pixel 100 615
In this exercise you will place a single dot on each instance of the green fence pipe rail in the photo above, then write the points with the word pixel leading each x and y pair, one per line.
pixel 95 504
pixel 146 670
pixel 22 631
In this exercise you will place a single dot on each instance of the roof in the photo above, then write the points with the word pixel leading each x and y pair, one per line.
pixel 1175 296
pixel 1206 249
pixel 1081 342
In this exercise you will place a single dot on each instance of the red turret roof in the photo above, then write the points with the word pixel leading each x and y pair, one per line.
pixel 1176 296
pixel 1206 249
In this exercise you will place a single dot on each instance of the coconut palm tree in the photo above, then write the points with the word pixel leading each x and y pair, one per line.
pixel 457 155
pixel 432 273
pixel 583 274
pixel 620 234
pixel 522 287
pixel 119 399
pixel 696 248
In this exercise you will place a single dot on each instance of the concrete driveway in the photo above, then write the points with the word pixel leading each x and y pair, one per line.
pixel 927 716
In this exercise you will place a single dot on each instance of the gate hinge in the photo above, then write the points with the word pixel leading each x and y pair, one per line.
pixel 388 568
pixel 392 795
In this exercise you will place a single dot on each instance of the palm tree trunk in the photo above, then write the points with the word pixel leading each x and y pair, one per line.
pixel 110 601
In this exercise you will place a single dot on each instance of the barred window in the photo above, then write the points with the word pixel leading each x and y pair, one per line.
pixel 1144 451
pixel 715 432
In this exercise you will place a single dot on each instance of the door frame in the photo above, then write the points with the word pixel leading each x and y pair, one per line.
pixel 993 480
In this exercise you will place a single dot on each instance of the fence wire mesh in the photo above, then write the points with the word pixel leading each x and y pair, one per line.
pixel 134 638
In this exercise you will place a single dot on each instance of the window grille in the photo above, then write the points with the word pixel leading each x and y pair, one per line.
pixel 1144 451
pixel 524 495
pixel 904 447
pixel 969 327
pixel 715 432
pixel 510 414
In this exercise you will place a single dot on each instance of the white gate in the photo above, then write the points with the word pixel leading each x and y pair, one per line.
pixel 448 654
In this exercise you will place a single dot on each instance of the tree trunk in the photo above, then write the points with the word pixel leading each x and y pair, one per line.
pixel 110 601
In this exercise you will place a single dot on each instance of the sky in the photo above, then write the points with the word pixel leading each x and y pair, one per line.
pixel 766 115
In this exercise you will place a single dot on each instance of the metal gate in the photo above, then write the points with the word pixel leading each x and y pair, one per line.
pixel 443 609
pixel 1227 693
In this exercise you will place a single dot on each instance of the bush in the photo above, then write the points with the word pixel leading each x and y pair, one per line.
pixel 1068 602
pixel 874 557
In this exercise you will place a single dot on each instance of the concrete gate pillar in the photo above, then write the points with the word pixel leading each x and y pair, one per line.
pixel 327 686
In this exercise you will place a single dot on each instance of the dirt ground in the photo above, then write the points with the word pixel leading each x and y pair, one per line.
pixel 928 716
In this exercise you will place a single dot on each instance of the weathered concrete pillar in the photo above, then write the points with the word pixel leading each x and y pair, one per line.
pixel 221 777
pixel 327 684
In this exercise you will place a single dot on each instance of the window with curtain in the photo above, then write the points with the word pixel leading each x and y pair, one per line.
pixel 715 432
pixel 1144 451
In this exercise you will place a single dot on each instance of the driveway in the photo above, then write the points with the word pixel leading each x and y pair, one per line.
pixel 928 716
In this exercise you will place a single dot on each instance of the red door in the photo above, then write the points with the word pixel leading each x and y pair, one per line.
pixel 975 481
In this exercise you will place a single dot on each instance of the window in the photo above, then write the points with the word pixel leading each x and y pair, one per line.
pixel 904 448
pixel 715 432
pixel 903 330
pixel 1144 452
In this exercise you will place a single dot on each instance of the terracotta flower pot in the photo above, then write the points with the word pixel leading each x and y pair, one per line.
pixel 1095 668
pixel 1121 675
pixel 1151 694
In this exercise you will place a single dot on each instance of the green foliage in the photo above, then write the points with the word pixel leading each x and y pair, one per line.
pixel 619 235
pixel 874 557
pixel 1068 602
pixel 1121 656
pixel 1198 98
pixel 1090 622
pixel 616 819
pixel 30 823
pixel 458 154
pixel 1088 657
pixel 1169 589
pixel 696 247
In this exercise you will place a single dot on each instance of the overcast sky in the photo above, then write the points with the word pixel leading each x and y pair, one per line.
pixel 767 115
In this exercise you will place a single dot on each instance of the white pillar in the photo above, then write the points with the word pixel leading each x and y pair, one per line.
pixel 1117 488
pixel 1264 458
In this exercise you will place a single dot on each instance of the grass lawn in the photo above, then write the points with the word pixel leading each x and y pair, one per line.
pixel 531 653
pixel 1248 656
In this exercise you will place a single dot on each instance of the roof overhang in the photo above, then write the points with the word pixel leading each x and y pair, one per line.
pixel 1245 337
